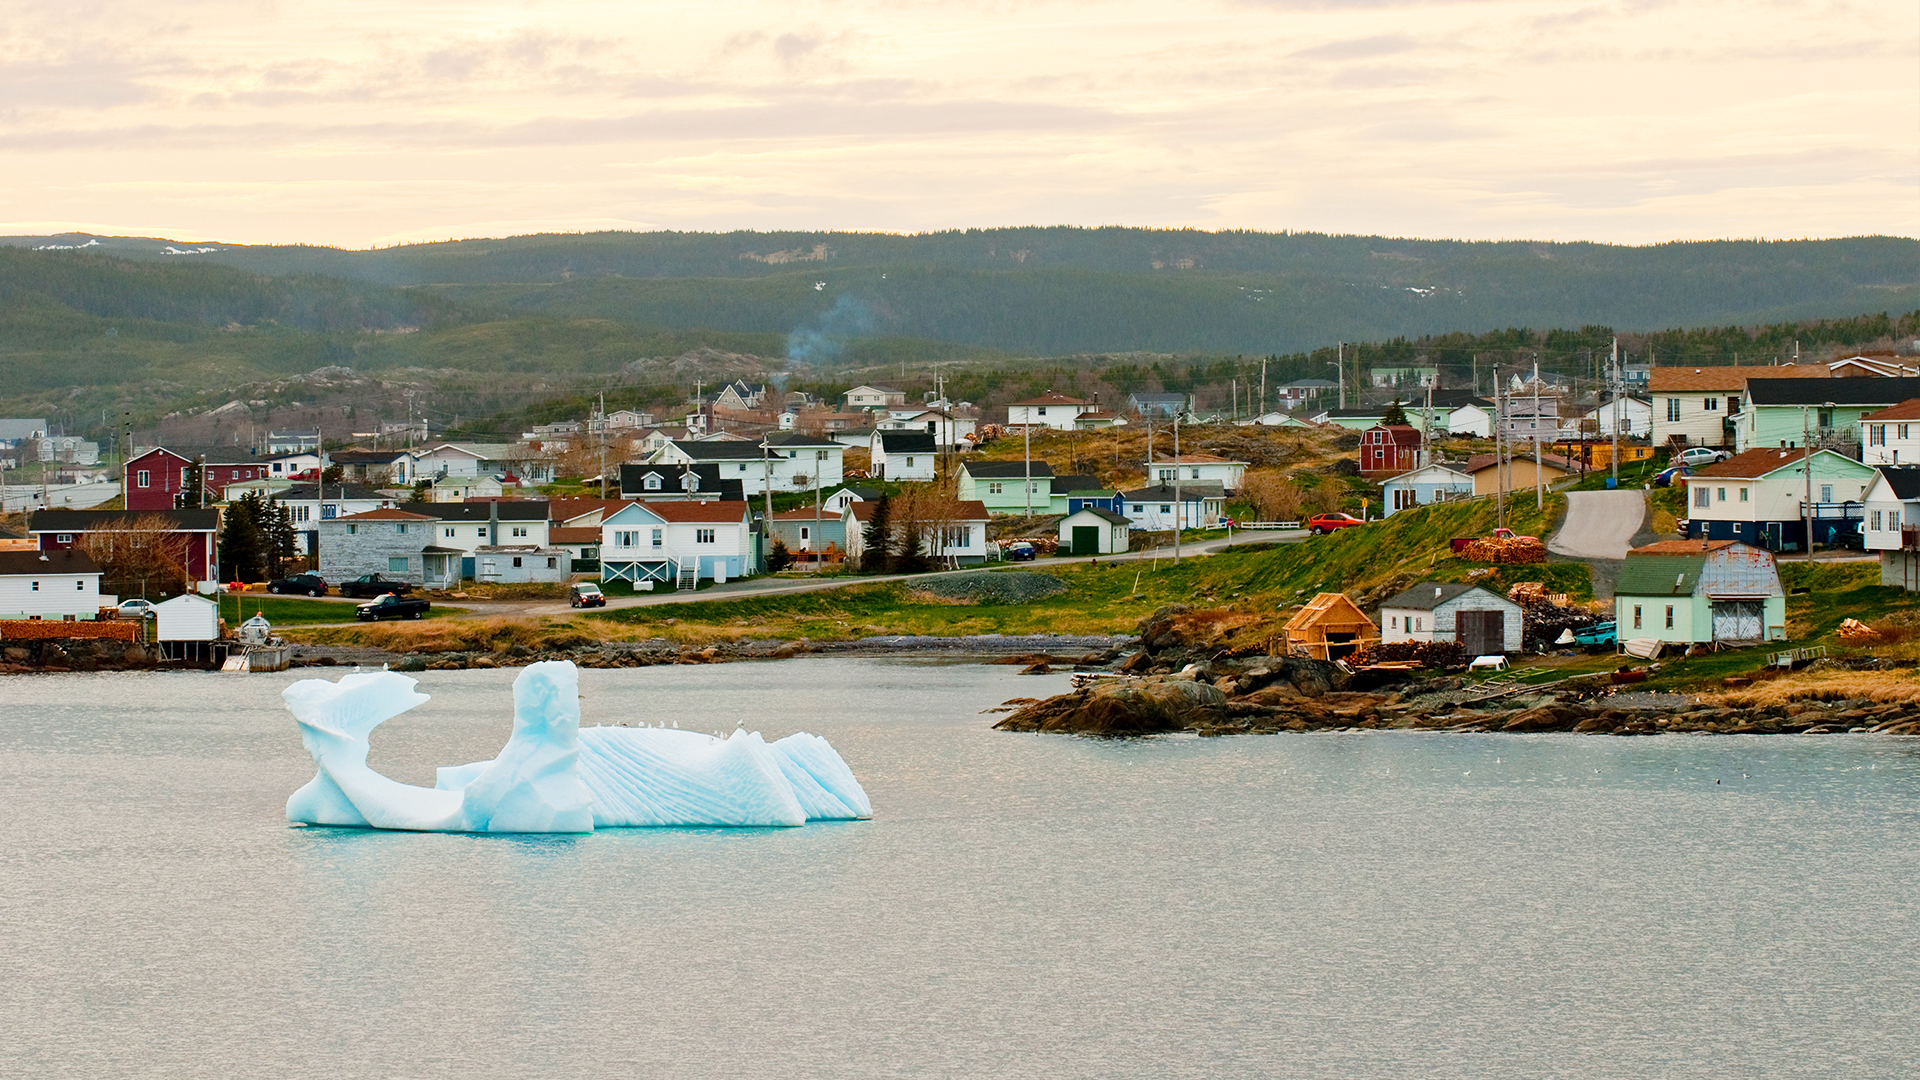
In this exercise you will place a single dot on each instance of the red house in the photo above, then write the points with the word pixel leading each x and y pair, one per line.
pixel 157 477
pixel 59 530
pixel 1389 449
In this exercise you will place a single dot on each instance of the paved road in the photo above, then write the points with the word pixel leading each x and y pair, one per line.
pixel 1600 524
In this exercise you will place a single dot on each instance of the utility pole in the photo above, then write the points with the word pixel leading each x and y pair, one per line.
pixel 1613 378
pixel 1262 408
pixel 1026 481
pixel 1179 508
pixel 1340 371
pixel 1539 489
pixel 1500 470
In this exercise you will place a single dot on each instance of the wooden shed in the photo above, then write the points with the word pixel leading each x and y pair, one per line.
pixel 1329 628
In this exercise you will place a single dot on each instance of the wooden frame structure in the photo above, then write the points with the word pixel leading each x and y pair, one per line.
pixel 1329 628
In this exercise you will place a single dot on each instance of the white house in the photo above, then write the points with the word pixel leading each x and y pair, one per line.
pixel 1892 524
pixel 904 455
pixel 1469 419
pixel 949 431
pixel 467 527
pixel 521 563
pixel 1051 409
pixel 954 533
pixel 677 542
pixel 298 463
pixel 1486 623
pixel 506 462
pixel 1223 471
pixel 873 397
pixel 1632 415
pixel 1427 484
pixel 1200 505
pixel 53 585
pixel 1093 531
pixel 787 460
pixel 1696 406
pixel 1891 435
pixel 838 502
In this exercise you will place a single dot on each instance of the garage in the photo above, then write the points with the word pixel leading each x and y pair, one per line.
pixel 1739 620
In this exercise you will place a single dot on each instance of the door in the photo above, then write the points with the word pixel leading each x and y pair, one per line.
pixel 1086 540
pixel 1738 620
pixel 1484 633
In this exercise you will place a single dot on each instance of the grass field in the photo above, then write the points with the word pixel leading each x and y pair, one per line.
pixel 293 611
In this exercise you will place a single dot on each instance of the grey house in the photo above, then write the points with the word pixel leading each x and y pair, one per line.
pixel 1485 622
pixel 386 542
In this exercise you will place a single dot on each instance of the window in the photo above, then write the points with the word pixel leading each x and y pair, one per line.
pixel 1709 404
pixel 1043 410
pixel 553 562
pixel 657 537
pixel 1673 410
pixel 652 482
pixel 995 488
pixel 806 532
pixel 396 564
pixel 1733 404
pixel 481 531
pixel 743 466
pixel 1876 434
pixel 1393 622
pixel 1901 432
pixel 1636 616
pixel 1826 493
pixel 1669 616
pixel 141 478
pixel 400 527
pixel 1195 472
pixel 909 463
pixel 703 536
pixel 79 585
pixel 519 530
pixel 1824 419
pixel 1875 526
pixel 1702 496
pixel 1419 623
pixel 626 538
pixel 36 587
pixel 1166 508
pixel 1743 494
pixel 516 560
pixel 352 530
pixel 449 530
pixel 956 536
pixel 64 538
pixel 183 478
pixel 300 514
pixel 1166 476
pixel 1723 494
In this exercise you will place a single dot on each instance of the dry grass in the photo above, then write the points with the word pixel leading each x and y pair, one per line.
pixel 1880 687
pixel 455 635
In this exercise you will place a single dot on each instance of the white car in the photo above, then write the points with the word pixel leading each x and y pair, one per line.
pixel 1695 456
pixel 136 608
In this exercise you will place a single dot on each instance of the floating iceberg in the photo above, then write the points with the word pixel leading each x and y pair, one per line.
pixel 553 777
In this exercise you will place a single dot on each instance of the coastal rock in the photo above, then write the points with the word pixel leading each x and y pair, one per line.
pixel 1147 706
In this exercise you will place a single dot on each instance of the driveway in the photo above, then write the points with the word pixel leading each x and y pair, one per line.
pixel 1600 524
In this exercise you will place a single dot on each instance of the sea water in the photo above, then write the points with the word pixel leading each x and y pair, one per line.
pixel 1331 905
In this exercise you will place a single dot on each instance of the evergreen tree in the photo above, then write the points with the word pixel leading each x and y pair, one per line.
pixel 1395 415
pixel 282 541
pixel 877 539
pixel 779 558
pixel 911 559
pixel 193 490
pixel 242 546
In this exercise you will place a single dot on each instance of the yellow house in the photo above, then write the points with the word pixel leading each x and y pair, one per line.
pixel 1517 474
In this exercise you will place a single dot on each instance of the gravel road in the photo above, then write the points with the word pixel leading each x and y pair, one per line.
pixel 1600 524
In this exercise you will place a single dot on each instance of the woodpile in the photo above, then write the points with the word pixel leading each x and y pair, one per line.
pixel 1855 632
pixel 1514 549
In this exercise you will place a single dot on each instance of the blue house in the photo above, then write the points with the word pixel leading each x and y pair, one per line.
pixel 1427 484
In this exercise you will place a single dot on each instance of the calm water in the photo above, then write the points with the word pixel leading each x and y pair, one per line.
pixel 1372 905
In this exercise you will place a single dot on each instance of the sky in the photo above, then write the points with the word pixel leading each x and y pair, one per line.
pixel 370 122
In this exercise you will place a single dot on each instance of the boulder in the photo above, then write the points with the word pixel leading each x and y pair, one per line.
pixel 1123 707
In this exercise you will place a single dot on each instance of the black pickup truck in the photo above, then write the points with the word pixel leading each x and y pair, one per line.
pixel 393 607
pixel 371 585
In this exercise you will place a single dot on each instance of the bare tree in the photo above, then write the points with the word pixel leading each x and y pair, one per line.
pixel 138 556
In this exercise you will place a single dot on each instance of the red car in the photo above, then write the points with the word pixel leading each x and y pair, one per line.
pixel 1327 523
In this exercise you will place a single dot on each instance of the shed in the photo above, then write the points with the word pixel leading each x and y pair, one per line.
pixel 1093 531
pixel 1330 627
pixel 1485 622
pixel 187 617
pixel 1428 484
pixel 521 563
pixel 1699 591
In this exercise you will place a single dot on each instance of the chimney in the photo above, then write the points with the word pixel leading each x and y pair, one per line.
pixel 493 523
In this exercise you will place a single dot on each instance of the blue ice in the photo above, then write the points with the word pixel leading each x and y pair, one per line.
pixel 554 777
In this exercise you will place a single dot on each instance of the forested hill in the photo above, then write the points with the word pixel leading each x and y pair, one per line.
pixel 1070 290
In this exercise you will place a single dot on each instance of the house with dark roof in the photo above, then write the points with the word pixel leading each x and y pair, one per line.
pixel 1891 524
pixel 1694 591
pixel 50 585
pixel 196 533
pixel 387 542
pixel 1075 492
pixel 1093 530
pixel 1759 497
pixel 1006 487
pixel 157 477
pixel 904 455
pixel 1485 622
pixel 1698 406
pixel 1825 412
pixel 788 460
pixel 1197 505
pixel 678 483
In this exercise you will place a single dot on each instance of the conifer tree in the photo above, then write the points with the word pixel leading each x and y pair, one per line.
pixel 877 539
pixel 1395 415
pixel 282 541
pixel 242 547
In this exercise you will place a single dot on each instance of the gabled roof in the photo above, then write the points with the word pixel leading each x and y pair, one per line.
pixel 1199 459
pixel 1906 410
pixel 1478 462
pixel 1429 595
pixel 1071 482
pixel 585 534
pixel 1902 480
pixel 1192 489
pixel 1001 470
pixel 79 521
pixel 303 492
pixel 1400 434
pixel 806 513
pixel 866 493
pixel 1100 512
pixel 1053 397
pixel 212 455
pixel 47 562
pixel 720 450
pixel 957 510
pixel 1761 461
pixel 1436 466
pixel 1681 379
pixel 387 513
pixel 796 439
pixel 906 442
pixel 510 510
pixel 692 512
pixel 568 509
pixel 1331 609
pixel 1850 392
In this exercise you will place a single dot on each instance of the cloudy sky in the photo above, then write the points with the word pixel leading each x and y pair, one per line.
pixel 359 122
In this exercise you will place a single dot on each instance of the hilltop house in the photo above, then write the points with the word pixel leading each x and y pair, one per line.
pixel 873 397
pixel 1050 410
pixel 1759 497
pixel 904 455
pixel 1486 623
pixel 1006 487
pixel 1427 484
pixel 1691 591
pixel 1389 449
pixel 1632 415
pixel 1696 406
pixel 1223 471
pixel 1072 493
pixel 655 483
pixel 1198 505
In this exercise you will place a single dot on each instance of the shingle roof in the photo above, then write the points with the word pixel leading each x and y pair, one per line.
pixel 585 534
pixel 1670 380
pixel 1851 392
pixel 387 513
pixel 721 450
pixel 1430 595
pixel 958 510
pixel 510 510
pixel 1902 480
pixel 1552 461
pixel 1102 513
pixel 1192 489
pixel 715 511
pixel 1001 470
pixel 1070 483
pixel 1752 463
pixel 47 562
pixel 1052 397
pixel 1200 459
pixel 1659 575
pixel 1906 410
pixel 568 509
pixel 906 442
pixel 79 521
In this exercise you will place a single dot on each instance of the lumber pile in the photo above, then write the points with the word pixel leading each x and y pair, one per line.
pixel 1506 549
pixel 1855 632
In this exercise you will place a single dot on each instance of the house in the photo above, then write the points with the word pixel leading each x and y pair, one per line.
pixel 292 442
pixel 1633 416
pixel 654 483
pixel 1692 591
pixel 1884 366
pixel 1156 406
pixel 872 397
pixel 1050 410
pixel 1358 418
pixel 187 617
pixel 954 533
pixel 812 530
pixel 1093 531
pixel 1097 419
pixel 16 432
pixel 1303 391
pixel 58 586
pixel 574 524
pixel 459 489
pixel 378 468
pixel 802 461
pixel 1422 486
pixel 1695 406
pixel 157 477
pixel 1226 472
pixel 839 500
pixel 627 420
pixel 1278 419
pixel 1329 628
pixel 1072 492
pixel 467 527
pixel 1535 416
pixel 1891 432
pixel 388 542
pixel 1518 474
pixel 949 431
pixel 1787 412
pixel 1006 487
pixel 1389 449
pixel 903 455
pixel 194 534
pixel 1470 418
pixel 302 465
pixel 787 460
pixel 1892 524
pixel 69 450
pixel 309 504
pixel 678 543
pixel 510 463
pixel 1487 623
pixel 522 563
pixel 1201 506
pixel 1759 497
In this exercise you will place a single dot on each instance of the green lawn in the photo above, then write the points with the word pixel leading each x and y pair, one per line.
pixel 294 611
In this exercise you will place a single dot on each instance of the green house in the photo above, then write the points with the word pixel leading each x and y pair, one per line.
pixel 1787 412
pixel 1002 486
pixel 1696 591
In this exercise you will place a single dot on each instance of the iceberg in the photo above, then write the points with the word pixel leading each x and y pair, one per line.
pixel 555 777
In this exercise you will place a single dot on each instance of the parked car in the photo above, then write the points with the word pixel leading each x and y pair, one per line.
pixel 1597 634
pixel 370 585
pixel 1327 523
pixel 586 594
pixel 1021 552
pixel 1696 456
pixel 135 609
pixel 310 584
pixel 1665 477
pixel 393 607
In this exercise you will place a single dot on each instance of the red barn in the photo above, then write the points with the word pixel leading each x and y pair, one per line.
pixel 157 477
pixel 1389 449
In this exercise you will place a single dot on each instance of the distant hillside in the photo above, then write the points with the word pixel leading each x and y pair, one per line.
pixel 1067 290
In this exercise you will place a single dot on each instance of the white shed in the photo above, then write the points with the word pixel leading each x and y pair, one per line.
pixel 187 617
pixel 519 563
pixel 1486 623
pixel 1093 531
